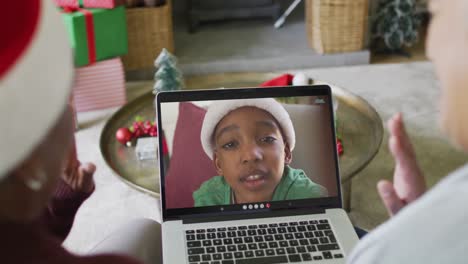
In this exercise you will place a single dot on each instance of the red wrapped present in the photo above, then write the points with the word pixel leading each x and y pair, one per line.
pixel 98 86
pixel 89 3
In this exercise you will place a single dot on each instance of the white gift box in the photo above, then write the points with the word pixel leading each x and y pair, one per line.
pixel 147 148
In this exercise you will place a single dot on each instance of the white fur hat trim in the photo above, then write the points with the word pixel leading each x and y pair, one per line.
pixel 35 91
pixel 219 109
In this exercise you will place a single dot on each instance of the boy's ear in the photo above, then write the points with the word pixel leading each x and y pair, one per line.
pixel 287 154
pixel 217 163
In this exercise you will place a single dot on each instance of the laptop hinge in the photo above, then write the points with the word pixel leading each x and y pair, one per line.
pixel 194 219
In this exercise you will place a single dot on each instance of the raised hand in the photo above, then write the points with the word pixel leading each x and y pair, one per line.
pixel 79 176
pixel 408 181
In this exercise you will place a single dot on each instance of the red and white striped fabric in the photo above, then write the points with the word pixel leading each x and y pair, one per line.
pixel 89 3
pixel 99 86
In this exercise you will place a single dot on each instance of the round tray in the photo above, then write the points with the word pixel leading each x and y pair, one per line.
pixel 359 125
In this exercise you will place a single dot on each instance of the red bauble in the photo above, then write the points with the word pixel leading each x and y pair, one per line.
pixel 339 147
pixel 123 135
pixel 139 128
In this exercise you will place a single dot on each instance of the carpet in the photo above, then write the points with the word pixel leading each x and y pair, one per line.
pixel 409 88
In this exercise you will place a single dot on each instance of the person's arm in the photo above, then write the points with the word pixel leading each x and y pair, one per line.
pixel 60 213
pixel 75 186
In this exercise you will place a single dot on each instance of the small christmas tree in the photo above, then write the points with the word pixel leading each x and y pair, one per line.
pixel 168 77
pixel 396 24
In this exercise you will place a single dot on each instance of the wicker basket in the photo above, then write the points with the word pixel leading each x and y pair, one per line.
pixel 336 25
pixel 149 31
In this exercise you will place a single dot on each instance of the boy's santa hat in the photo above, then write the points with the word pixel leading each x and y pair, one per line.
pixel 219 109
pixel 36 73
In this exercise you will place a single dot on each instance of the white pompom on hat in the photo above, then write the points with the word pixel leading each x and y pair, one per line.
pixel 36 74
pixel 219 109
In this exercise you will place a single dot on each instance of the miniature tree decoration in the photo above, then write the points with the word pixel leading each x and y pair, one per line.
pixel 168 77
pixel 396 24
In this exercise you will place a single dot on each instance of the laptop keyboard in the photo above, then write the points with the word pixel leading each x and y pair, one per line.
pixel 266 243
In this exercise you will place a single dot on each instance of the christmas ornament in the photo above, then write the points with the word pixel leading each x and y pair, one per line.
pixel 168 77
pixel 339 147
pixel 123 135
pixel 139 128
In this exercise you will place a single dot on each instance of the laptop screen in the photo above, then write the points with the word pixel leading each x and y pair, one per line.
pixel 247 151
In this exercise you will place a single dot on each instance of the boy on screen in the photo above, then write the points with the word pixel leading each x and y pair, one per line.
pixel 250 142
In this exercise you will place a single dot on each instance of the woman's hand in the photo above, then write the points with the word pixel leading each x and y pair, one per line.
pixel 408 181
pixel 79 176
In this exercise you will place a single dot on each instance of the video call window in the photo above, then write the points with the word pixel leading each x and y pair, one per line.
pixel 228 152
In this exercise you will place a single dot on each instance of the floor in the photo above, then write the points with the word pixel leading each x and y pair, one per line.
pixel 251 45
pixel 254 45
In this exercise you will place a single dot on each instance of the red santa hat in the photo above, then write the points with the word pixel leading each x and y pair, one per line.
pixel 36 73
pixel 219 109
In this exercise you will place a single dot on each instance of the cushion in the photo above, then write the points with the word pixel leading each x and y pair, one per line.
pixel 189 166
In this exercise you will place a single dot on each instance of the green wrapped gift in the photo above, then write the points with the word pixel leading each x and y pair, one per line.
pixel 96 34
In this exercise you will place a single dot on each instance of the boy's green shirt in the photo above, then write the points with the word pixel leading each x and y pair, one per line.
pixel 293 185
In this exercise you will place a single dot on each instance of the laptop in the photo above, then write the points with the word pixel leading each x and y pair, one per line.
pixel 305 227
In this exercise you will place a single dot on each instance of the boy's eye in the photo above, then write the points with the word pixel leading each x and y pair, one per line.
pixel 268 139
pixel 229 145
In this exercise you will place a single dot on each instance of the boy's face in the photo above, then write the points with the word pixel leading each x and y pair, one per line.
pixel 250 153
